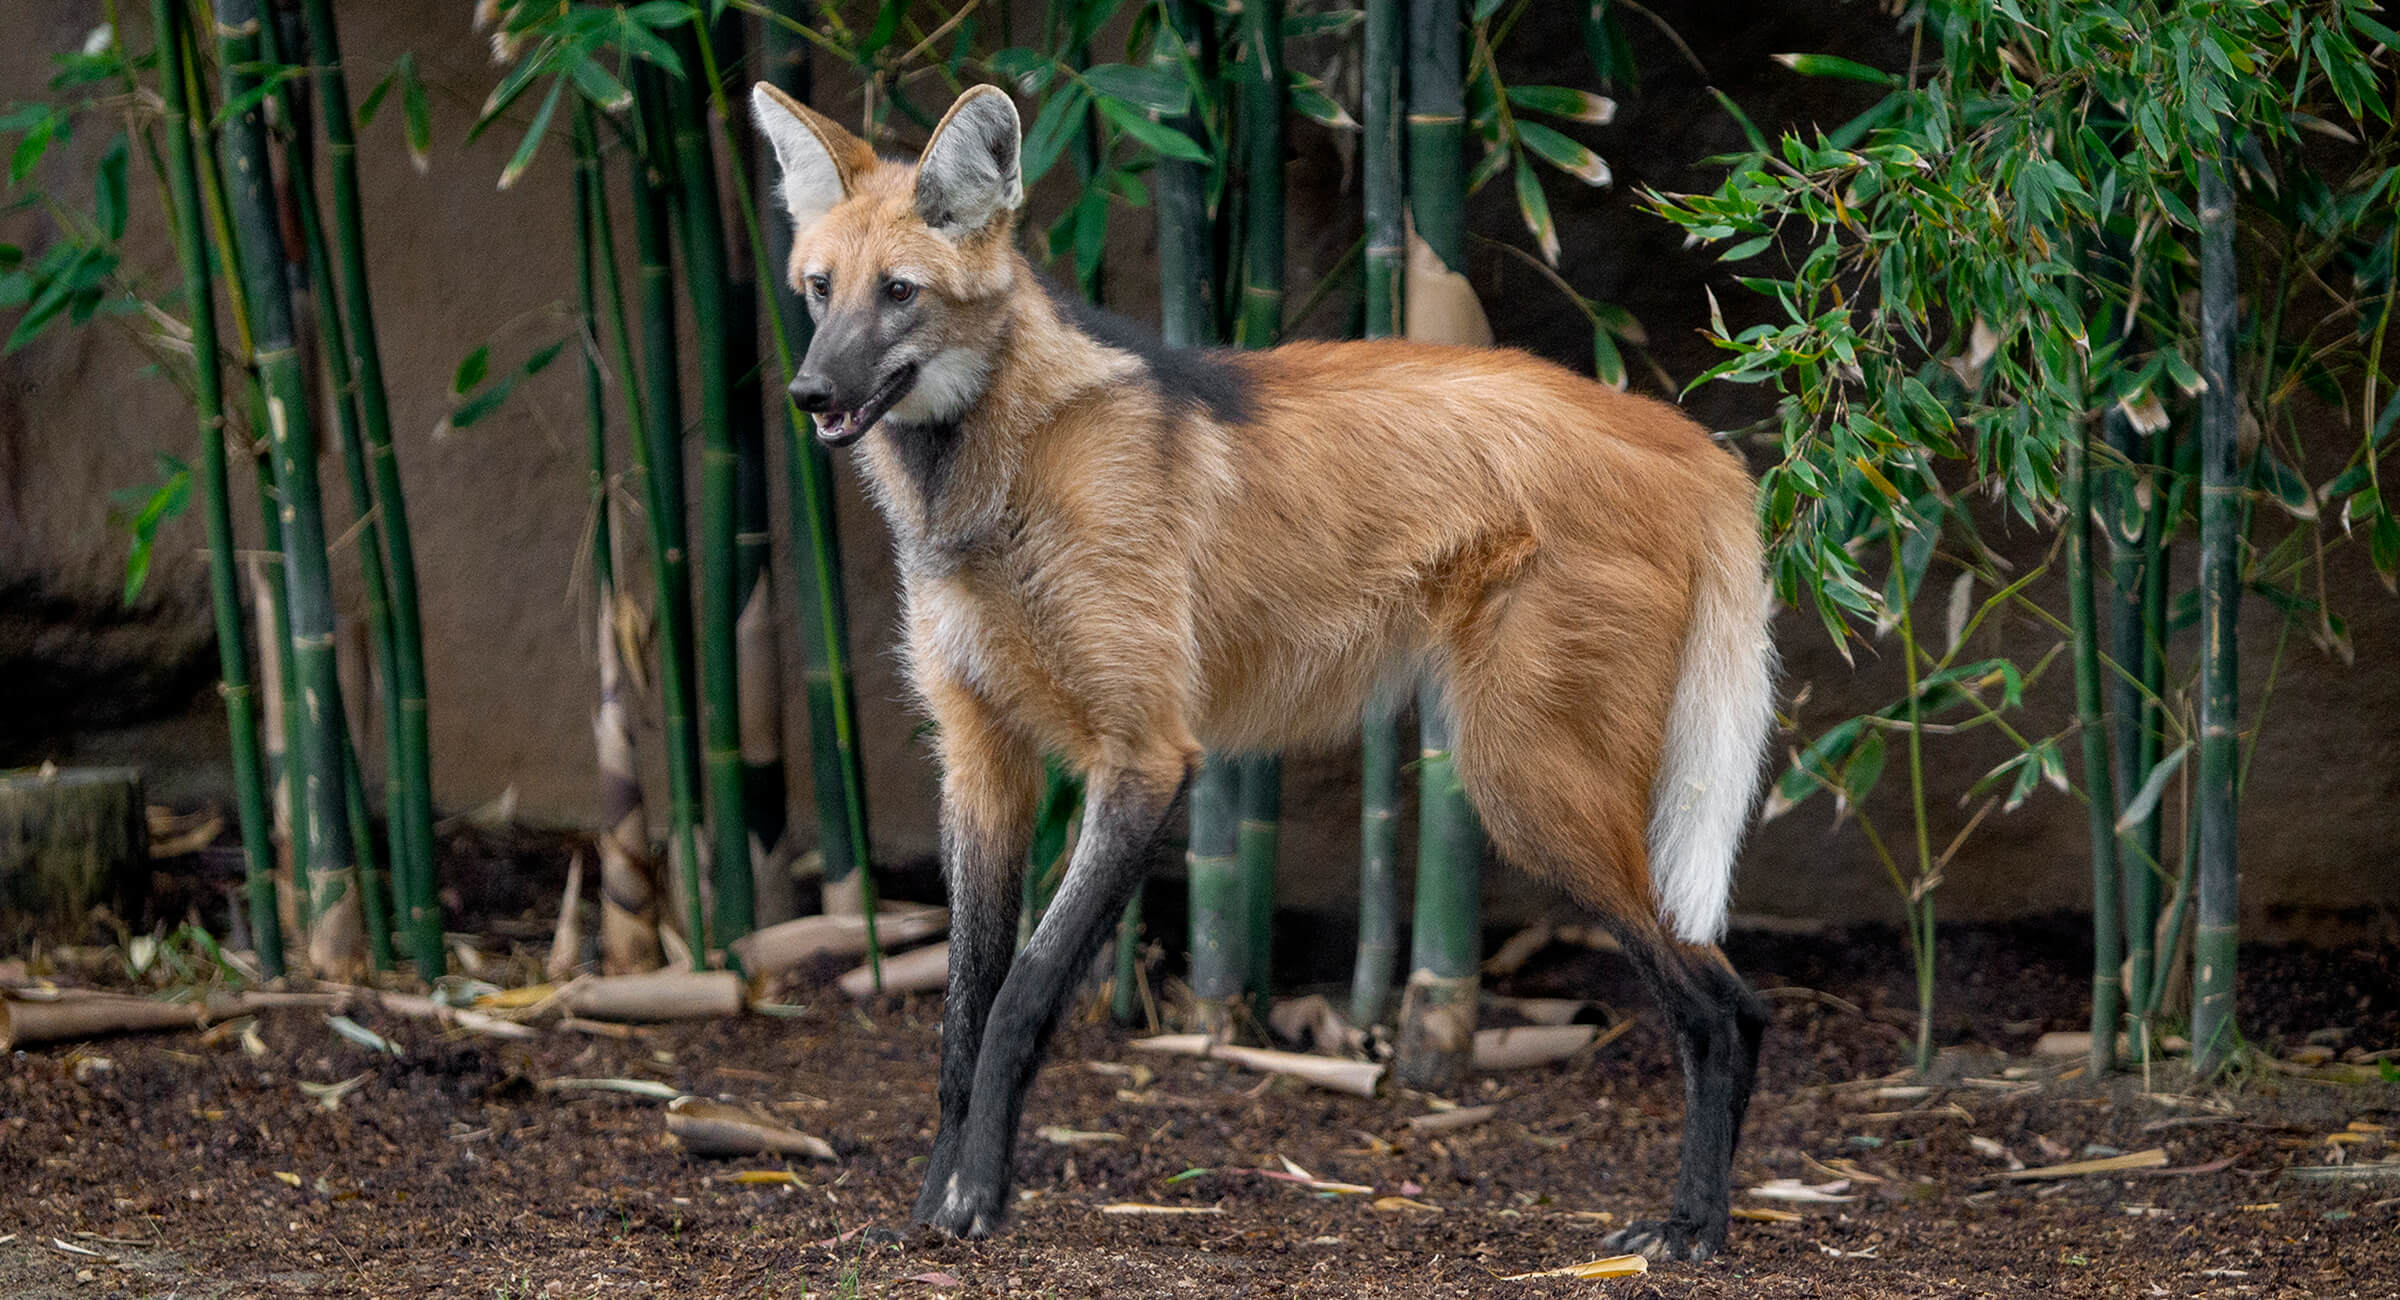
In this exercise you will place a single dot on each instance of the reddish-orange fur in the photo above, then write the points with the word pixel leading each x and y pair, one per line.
pixel 1106 572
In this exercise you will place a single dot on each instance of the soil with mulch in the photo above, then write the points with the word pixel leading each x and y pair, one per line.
pixel 200 1167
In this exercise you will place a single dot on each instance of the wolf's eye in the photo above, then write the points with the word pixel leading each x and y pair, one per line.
pixel 899 290
pixel 819 285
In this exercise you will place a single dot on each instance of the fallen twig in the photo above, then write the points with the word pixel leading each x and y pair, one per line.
pixel 2150 1159
pixel 1358 1078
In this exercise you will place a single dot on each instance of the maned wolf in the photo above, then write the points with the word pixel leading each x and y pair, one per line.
pixel 1122 554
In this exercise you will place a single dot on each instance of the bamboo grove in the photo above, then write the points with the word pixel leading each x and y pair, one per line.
pixel 2000 437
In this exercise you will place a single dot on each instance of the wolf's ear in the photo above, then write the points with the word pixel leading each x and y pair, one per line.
pixel 820 160
pixel 969 175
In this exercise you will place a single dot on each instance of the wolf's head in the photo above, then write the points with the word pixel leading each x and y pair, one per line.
pixel 905 269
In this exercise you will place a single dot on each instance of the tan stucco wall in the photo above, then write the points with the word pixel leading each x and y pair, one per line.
pixel 500 514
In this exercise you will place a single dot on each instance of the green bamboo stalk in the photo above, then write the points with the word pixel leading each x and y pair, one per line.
pixel 700 217
pixel 171 25
pixel 1261 99
pixel 1188 265
pixel 1088 158
pixel 333 351
pixel 1220 910
pixel 1261 813
pixel 1379 751
pixel 823 617
pixel 273 623
pixel 1918 901
pixel 2099 786
pixel 332 879
pixel 421 919
pixel 1187 275
pixel 1261 94
pixel 629 886
pixel 1387 249
pixel 2150 836
pixel 2127 712
pixel 1438 1011
pixel 2217 894
pixel 659 454
pixel 371 898
pixel 759 663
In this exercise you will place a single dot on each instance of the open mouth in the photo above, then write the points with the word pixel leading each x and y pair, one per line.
pixel 841 428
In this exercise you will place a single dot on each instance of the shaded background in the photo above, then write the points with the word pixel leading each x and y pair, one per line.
pixel 501 518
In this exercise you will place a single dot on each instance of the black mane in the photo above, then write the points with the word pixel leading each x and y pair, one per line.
pixel 1205 378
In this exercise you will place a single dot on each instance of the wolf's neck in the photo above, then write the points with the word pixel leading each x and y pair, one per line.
pixel 946 484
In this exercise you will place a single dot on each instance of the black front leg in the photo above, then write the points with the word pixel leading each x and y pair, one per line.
pixel 1124 816
pixel 986 876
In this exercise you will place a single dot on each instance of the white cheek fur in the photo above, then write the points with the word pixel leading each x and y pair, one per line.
pixel 947 384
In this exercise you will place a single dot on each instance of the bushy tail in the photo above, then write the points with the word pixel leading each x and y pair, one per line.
pixel 1716 733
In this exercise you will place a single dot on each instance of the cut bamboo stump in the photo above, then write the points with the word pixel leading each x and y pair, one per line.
pixel 70 839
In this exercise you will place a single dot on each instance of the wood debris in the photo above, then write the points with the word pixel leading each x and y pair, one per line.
pixel 713 1128
pixel 2150 1159
pixel 1357 1078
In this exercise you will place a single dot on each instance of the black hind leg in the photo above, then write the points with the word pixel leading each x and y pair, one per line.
pixel 1717 1023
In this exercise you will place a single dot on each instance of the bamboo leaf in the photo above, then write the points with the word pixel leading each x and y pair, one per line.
pixel 471 370
pixel 416 119
pixel 600 86
pixel 1833 65
pixel 1608 364
pixel 108 190
pixel 165 501
pixel 1058 122
pixel 1750 132
pixel 1563 153
pixel 1149 86
pixel 532 142
pixel 1332 22
pixel 1164 140
pixel 2145 800
pixel 373 102
pixel 1317 106
pixel 1534 207
pixel 1565 102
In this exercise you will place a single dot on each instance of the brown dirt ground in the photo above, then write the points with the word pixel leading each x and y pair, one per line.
pixel 200 1169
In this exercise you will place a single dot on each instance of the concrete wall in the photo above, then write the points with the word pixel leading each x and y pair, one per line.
pixel 501 519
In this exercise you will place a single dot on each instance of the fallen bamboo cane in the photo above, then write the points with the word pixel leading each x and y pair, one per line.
pixel 1527 1045
pixel 922 971
pixel 781 947
pixel 1450 1121
pixel 477 1022
pixel 659 995
pixel 79 1016
pixel 1358 1078
pixel 712 1128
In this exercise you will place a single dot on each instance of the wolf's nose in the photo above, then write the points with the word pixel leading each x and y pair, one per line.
pixel 813 392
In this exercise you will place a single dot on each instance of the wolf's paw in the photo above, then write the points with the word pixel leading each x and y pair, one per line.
pixel 1664 1239
pixel 961 1208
